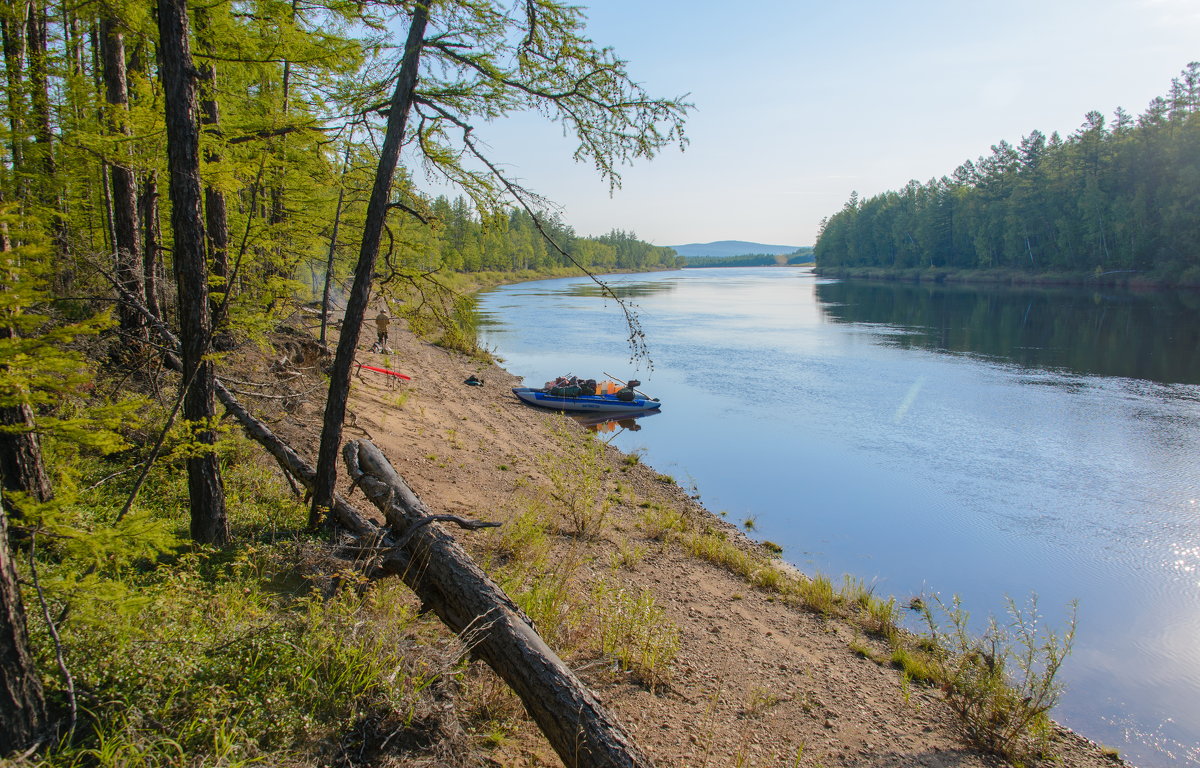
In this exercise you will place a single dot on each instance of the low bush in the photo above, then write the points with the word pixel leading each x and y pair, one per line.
pixel 1003 682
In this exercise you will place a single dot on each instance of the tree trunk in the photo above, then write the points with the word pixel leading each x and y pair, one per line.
pixel 449 583
pixel 126 242
pixel 21 467
pixel 13 18
pixel 148 213
pixel 22 706
pixel 356 305
pixel 37 35
pixel 333 239
pixel 216 212
pixel 205 490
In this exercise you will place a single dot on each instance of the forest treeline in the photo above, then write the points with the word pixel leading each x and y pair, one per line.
pixel 802 255
pixel 176 180
pixel 1115 196
pixel 512 240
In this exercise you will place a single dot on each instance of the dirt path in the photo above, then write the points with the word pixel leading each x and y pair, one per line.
pixel 755 682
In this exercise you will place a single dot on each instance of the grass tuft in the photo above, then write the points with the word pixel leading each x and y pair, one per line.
pixel 636 633
pixel 578 481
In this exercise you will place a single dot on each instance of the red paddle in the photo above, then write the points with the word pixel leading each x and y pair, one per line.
pixel 385 370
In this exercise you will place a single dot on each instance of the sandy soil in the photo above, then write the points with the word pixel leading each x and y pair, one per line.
pixel 755 682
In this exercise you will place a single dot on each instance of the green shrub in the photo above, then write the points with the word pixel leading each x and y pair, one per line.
pixel 636 633
pixel 1003 683
pixel 185 655
pixel 577 473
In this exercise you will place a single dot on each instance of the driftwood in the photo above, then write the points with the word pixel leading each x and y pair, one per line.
pixel 449 583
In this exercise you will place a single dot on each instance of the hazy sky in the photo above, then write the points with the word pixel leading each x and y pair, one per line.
pixel 797 103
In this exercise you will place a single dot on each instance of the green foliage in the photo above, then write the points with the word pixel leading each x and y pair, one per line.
pixel 915 664
pixel 802 255
pixel 193 656
pixel 660 523
pixel 578 476
pixel 1104 201
pixel 1002 683
pixel 635 631
pixel 43 366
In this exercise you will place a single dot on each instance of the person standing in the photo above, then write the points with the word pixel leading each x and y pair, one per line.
pixel 382 320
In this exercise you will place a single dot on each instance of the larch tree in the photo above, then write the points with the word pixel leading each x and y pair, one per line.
pixel 483 61
pixel 127 245
pixel 356 305
pixel 216 212
pixel 209 522
pixel 22 704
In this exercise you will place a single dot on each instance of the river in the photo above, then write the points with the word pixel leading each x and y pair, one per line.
pixel 984 442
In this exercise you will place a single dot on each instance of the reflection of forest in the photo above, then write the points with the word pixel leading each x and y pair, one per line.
pixel 1152 336
pixel 630 290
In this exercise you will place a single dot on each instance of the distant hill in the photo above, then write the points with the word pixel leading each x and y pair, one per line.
pixel 723 249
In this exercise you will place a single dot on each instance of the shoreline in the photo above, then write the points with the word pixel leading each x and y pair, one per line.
pixel 1132 280
pixel 757 679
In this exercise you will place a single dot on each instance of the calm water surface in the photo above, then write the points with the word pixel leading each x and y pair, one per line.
pixel 979 442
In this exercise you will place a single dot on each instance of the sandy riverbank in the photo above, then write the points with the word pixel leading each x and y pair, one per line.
pixel 754 682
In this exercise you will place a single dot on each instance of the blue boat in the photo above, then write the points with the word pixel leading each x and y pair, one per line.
pixel 586 403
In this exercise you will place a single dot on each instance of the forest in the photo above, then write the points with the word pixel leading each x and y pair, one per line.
pixel 179 182
pixel 1116 197
pixel 802 255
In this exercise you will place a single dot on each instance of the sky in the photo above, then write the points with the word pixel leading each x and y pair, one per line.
pixel 798 103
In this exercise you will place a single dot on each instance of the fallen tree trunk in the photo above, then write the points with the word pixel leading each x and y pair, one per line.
pixel 449 583
pixel 346 514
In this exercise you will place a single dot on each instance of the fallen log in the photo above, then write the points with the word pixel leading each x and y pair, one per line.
pixel 346 514
pixel 448 582
pixel 496 630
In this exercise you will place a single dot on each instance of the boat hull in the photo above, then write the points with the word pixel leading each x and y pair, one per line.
pixel 585 403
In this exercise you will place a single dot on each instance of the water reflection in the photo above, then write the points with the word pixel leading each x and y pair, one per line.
pixel 1151 335
pixel 622 289
pixel 605 424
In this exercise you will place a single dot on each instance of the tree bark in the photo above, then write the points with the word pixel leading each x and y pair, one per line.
pixel 22 705
pixel 127 245
pixel 206 491
pixel 333 240
pixel 356 305
pixel 574 721
pixel 13 19
pixel 21 466
pixel 216 211
pixel 148 213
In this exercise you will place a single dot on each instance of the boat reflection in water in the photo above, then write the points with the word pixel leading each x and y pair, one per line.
pixel 602 423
